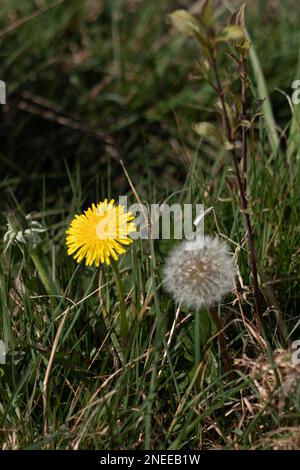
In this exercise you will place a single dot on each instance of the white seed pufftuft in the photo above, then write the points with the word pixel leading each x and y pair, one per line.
pixel 200 275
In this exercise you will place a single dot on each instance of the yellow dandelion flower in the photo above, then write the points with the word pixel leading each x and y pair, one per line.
pixel 100 233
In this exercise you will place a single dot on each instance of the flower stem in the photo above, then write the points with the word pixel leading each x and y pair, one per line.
pixel 197 338
pixel 119 286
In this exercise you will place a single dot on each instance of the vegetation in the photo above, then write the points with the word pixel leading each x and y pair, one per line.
pixel 104 98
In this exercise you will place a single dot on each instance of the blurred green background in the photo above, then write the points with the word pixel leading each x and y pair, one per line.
pixel 90 82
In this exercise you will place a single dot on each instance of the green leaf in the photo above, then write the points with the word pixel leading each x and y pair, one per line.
pixel 207 13
pixel 206 129
pixel 206 46
pixel 231 33
pixel 185 22
pixel 189 25
pixel 243 46
pixel 44 273
pixel 263 93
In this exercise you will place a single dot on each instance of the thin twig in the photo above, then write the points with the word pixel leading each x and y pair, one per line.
pixel 242 198
pixel 243 77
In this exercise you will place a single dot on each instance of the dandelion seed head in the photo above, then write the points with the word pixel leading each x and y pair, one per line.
pixel 200 275
pixel 22 230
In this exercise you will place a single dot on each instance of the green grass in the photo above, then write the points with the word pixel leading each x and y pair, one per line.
pixel 90 83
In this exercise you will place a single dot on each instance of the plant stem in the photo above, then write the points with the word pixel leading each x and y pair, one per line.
pixel 197 338
pixel 119 286
pixel 242 194
pixel 243 77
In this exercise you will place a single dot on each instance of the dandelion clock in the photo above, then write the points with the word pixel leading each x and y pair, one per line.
pixel 198 274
